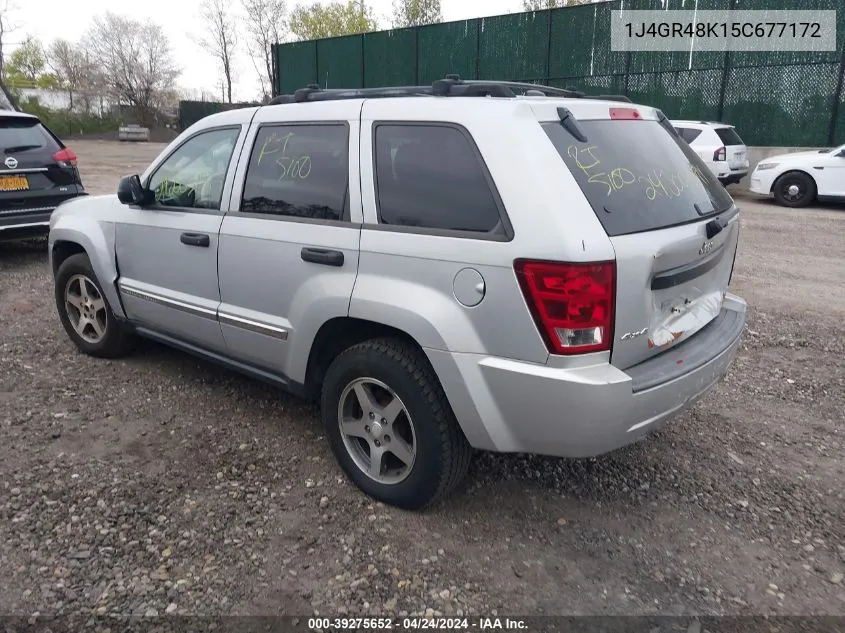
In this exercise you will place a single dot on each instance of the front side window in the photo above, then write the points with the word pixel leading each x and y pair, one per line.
pixel 299 171
pixel 193 175
pixel 430 176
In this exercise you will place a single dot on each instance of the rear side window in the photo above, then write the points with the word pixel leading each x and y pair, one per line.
pixel 431 176
pixel 24 134
pixel 299 171
pixel 688 134
pixel 728 136
pixel 638 176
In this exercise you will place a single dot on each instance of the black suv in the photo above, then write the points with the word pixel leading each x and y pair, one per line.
pixel 37 173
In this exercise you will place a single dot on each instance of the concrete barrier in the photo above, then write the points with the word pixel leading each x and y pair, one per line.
pixel 133 133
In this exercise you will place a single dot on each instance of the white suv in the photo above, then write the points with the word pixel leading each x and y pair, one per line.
pixel 442 267
pixel 719 146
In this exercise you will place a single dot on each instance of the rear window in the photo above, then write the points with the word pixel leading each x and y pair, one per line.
pixel 638 176
pixel 688 134
pixel 728 136
pixel 24 134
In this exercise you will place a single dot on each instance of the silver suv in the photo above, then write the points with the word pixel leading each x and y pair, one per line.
pixel 464 265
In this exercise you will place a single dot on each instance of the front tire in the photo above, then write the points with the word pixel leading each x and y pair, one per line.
pixel 85 313
pixel 794 189
pixel 390 425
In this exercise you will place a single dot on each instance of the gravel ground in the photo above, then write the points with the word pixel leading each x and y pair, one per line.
pixel 160 484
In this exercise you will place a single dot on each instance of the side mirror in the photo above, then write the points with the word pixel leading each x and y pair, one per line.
pixel 131 191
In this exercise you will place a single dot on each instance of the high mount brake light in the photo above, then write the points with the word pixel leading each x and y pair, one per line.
pixel 625 113
pixel 572 303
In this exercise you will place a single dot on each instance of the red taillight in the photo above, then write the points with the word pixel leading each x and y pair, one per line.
pixel 721 154
pixel 572 304
pixel 65 157
pixel 624 113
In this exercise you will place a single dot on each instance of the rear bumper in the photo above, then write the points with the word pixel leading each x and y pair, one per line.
pixel 25 225
pixel 32 218
pixel 733 176
pixel 511 406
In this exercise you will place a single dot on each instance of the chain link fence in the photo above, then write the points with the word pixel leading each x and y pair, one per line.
pixel 774 99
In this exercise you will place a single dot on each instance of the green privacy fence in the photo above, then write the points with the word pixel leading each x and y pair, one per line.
pixel 192 111
pixel 774 99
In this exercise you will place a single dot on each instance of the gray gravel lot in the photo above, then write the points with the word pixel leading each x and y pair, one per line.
pixel 162 484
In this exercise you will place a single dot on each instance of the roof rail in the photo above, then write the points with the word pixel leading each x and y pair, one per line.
pixel 450 86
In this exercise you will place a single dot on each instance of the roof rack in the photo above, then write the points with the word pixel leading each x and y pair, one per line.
pixel 450 86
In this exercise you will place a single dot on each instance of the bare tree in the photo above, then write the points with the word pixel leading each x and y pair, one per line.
pixel 136 62
pixel 265 26
pixel 222 39
pixel 73 69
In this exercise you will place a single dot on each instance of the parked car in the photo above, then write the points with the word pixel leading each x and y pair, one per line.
pixel 800 178
pixel 441 272
pixel 37 174
pixel 719 146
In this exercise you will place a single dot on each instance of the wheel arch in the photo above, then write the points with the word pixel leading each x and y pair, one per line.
pixel 96 241
pixel 340 333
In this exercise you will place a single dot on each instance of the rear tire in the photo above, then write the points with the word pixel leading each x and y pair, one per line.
pixel 794 189
pixel 85 313
pixel 382 396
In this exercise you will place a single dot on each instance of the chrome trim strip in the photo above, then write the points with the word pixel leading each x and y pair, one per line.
pixel 9 227
pixel 194 310
pixel 253 326
pixel 27 210
pixel 23 170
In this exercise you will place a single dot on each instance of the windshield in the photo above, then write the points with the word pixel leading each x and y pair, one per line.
pixel 638 176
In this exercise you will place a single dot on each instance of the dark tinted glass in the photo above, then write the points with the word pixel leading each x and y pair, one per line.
pixel 688 134
pixel 431 176
pixel 299 171
pixel 729 136
pixel 20 135
pixel 638 176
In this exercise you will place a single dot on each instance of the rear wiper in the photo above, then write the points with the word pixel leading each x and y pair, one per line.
pixel 567 120
pixel 19 148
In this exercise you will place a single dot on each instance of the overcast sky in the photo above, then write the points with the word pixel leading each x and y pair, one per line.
pixel 49 19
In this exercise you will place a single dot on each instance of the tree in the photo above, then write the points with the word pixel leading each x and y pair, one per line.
pixel 74 70
pixel 539 5
pixel 416 12
pixel 6 27
pixel 136 62
pixel 330 20
pixel 265 26
pixel 222 39
pixel 27 61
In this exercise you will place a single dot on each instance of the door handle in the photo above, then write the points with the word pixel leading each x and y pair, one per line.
pixel 195 239
pixel 322 256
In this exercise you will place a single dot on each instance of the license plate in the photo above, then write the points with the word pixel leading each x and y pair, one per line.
pixel 14 183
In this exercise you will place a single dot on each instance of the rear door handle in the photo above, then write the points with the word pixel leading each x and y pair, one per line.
pixel 195 239
pixel 322 256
